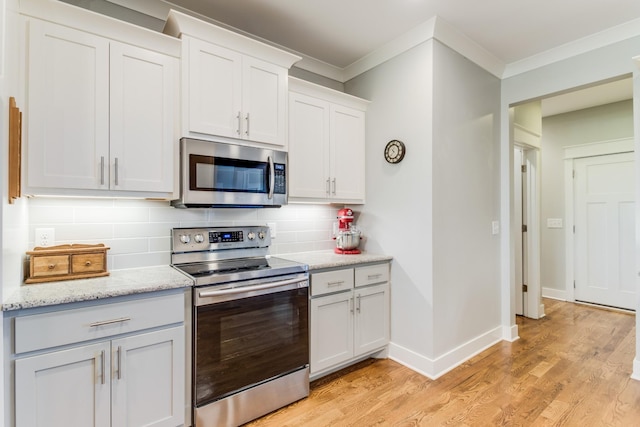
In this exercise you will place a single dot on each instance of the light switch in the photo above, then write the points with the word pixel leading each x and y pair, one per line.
pixel 554 222
pixel 495 227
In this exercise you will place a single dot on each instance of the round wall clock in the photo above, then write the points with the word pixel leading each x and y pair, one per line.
pixel 394 151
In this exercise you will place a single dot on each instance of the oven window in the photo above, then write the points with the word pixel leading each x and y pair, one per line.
pixel 221 174
pixel 244 342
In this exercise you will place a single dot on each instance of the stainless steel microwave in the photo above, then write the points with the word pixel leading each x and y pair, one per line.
pixel 217 174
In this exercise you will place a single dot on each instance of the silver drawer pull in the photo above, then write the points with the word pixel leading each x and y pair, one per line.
pixel 103 369
pixel 109 322
pixel 336 283
pixel 374 276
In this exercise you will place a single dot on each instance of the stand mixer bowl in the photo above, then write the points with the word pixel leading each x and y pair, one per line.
pixel 348 239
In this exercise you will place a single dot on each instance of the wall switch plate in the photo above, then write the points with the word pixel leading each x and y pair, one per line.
pixel 495 227
pixel 554 222
pixel 272 229
pixel 45 237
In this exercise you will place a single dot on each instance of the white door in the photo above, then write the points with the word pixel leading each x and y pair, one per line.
pixel 518 247
pixel 68 110
pixel 371 318
pixel 143 97
pixel 605 230
pixel 331 324
pixel 347 148
pixel 68 388
pixel 148 379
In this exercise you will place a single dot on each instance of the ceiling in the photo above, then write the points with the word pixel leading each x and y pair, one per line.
pixel 340 32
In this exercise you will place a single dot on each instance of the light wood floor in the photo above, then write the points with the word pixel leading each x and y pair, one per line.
pixel 571 368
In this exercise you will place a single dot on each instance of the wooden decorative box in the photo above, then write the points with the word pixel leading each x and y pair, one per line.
pixel 66 262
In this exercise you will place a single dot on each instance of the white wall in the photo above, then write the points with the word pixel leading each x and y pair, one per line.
pixel 433 211
pixel 603 123
pixel 398 212
pixel 465 201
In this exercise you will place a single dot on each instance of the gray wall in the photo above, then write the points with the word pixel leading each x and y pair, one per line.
pixel 433 211
pixel 603 123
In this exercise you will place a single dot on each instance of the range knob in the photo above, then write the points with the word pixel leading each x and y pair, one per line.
pixel 199 238
pixel 251 235
pixel 262 235
pixel 185 238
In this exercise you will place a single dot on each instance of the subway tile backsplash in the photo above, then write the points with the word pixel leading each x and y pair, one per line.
pixel 138 231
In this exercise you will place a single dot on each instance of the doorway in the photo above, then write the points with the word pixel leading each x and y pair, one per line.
pixel 526 233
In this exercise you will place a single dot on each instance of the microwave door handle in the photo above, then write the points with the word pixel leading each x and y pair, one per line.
pixel 272 177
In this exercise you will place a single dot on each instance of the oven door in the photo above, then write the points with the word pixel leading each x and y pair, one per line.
pixel 247 335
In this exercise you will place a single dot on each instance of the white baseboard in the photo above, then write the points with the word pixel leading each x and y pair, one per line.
pixel 435 368
pixel 510 333
pixel 636 369
pixel 553 293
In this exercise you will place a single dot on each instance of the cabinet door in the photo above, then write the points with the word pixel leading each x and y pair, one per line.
pixel 213 89
pixel 264 102
pixel 331 330
pixel 68 388
pixel 308 146
pixel 143 97
pixel 372 318
pixel 68 112
pixel 148 379
pixel 347 153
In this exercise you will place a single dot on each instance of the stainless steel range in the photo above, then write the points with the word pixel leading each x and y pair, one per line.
pixel 250 324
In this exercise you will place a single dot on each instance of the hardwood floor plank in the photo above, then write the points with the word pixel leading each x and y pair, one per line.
pixel 570 368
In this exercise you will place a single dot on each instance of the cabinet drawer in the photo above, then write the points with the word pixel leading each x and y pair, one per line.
pixel 50 265
pixel 378 273
pixel 88 263
pixel 70 326
pixel 331 281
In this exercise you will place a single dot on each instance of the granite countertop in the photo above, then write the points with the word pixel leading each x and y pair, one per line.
pixel 329 259
pixel 150 279
pixel 118 283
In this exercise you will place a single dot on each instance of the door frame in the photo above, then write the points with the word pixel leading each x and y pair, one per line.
pixel 571 153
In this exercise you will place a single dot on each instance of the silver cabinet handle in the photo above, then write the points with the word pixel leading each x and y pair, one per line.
pixel 119 362
pixel 373 276
pixel 108 322
pixel 334 186
pixel 101 170
pixel 351 304
pixel 328 186
pixel 358 304
pixel 116 172
pixel 239 130
pixel 337 282
pixel 103 369
pixel 246 132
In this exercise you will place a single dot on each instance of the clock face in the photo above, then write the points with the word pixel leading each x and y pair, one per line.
pixel 394 151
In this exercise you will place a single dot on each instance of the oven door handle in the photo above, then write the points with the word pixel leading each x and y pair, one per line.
pixel 243 289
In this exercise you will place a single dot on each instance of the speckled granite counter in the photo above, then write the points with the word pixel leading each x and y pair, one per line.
pixel 118 283
pixel 329 259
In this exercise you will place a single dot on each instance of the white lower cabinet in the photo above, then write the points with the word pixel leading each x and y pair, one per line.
pixel 132 380
pixel 349 316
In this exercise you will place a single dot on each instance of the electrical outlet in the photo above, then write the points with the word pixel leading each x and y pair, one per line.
pixel 272 228
pixel 45 237
pixel 495 227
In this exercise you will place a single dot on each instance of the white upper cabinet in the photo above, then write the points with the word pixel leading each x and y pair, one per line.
pixel 101 115
pixel 233 86
pixel 326 144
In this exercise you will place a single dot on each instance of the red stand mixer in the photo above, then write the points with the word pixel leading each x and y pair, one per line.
pixel 347 236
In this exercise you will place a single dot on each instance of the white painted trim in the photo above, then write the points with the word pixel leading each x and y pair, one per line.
pixel 604 38
pixel 510 333
pixel 614 146
pixel 635 375
pixel 559 294
pixel 568 230
pixel 435 368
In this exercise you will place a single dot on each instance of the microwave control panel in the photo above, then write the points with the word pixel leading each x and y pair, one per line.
pixel 280 186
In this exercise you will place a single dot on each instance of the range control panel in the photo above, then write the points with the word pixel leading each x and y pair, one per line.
pixel 219 238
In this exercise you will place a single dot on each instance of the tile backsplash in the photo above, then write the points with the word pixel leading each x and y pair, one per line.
pixel 138 231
